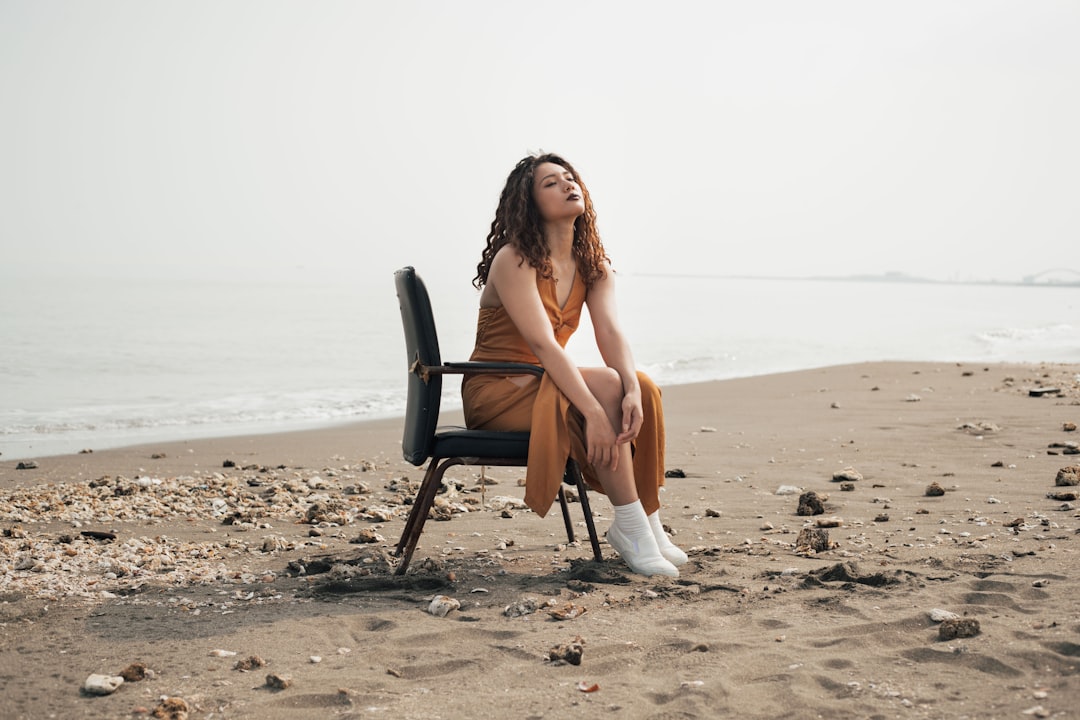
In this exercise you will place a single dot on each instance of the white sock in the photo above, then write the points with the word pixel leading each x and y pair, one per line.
pixel 668 549
pixel 632 537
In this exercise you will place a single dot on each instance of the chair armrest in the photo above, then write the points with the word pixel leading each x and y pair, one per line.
pixel 486 368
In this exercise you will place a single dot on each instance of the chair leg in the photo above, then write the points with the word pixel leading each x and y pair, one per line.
pixel 583 497
pixel 566 514
pixel 422 503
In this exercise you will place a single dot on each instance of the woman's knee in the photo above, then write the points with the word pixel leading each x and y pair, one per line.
pixel 605 385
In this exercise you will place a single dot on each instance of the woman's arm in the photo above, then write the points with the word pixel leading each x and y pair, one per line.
pixel 514 282
pixel 615 350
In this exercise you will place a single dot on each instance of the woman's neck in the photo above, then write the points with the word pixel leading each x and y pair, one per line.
pixel 560 240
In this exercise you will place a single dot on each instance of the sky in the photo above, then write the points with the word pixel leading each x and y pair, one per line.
pixel 776 138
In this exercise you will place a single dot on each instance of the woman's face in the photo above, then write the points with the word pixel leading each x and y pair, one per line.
pixel 556 193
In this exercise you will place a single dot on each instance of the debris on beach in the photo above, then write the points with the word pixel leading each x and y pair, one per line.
pixel 367 535
pixel 810 503
pixel 569 611
pixel 249 663
pixel 136 672
pixel 938 615
pixel 441 605
pixel 1067 476
pixel 1069 447
pixel 812 540
pixel 953 628
pixel 567 654
pixel 979 428
pixel 171 708
pixel 848 474
pixel 525 606
pixel 97 684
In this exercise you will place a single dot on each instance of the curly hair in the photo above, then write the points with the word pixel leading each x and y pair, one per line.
pixel 518 222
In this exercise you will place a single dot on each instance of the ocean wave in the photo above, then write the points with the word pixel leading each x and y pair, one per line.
pixel 1057 342
pixel 267 410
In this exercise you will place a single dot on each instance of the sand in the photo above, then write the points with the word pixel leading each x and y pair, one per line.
pixel 188 561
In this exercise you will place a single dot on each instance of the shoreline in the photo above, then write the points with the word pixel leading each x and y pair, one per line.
pixel 283 556
pixel 452 414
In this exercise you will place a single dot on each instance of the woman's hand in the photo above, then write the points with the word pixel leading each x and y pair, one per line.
pixel 633 417
pixel 601 444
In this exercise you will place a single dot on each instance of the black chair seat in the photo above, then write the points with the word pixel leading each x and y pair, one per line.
pixel 461 442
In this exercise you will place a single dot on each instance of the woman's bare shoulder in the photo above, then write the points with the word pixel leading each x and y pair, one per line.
pixel 508 260
pixel 508 269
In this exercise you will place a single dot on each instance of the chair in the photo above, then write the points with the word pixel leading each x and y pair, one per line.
pixel 449 446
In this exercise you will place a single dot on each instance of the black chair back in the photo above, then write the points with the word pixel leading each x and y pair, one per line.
pixel 422 346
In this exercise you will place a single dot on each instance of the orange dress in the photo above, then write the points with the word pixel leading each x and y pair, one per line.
pixel 493 402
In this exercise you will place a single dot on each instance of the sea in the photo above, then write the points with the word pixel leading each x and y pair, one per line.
pixel 93 363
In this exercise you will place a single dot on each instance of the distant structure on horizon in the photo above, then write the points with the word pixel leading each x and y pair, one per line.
pixel 1054 276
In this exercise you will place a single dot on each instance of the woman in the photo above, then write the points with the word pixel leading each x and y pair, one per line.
pixel 543 262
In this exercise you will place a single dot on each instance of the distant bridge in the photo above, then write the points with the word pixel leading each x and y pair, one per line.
pixel 1054 276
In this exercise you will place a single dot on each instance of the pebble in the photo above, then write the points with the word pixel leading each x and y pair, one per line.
pixel 569 611
pixel 525 606
pixel 939 615
pixel 171 708
pixel 958 628
pixel 1068 476
pixel 848 474
pixel 569 653
pixel 278 682
pixel 934 490
pixel 102 684
pixel 249 663
pixel 367 535
pixel 812 540
pixel 441 605
pixel 810 503
pixel 136 672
